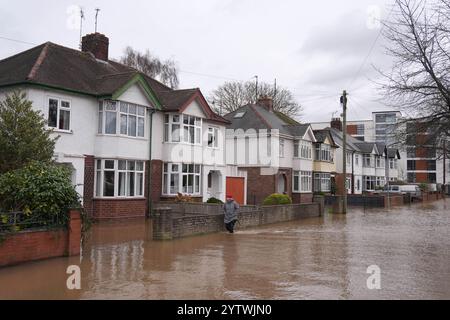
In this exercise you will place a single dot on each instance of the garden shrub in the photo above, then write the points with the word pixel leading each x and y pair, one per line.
pixel 277 198
pixel 214 200
pixel 40 190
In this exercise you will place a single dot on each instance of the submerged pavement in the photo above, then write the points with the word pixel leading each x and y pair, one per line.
pixel 315 258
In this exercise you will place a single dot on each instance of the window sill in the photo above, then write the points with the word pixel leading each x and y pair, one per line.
pixel 184 143
pixel 60 130
pixel 121 136
pixel 184 194
pixel 119 198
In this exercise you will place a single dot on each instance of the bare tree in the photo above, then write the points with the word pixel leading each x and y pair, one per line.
pixel 233 95
pixel 418 36
pixel 164 71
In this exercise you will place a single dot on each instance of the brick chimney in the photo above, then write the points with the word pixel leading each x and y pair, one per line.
pixel 97 44
pixel 266 102
pixel 336 123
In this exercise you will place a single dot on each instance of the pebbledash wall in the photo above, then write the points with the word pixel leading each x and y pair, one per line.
pixel 32 245
pixel 172 222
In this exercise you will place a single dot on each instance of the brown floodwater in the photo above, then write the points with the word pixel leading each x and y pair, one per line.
pixel 315 258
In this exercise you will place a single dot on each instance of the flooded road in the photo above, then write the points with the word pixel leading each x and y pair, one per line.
pixel 315 258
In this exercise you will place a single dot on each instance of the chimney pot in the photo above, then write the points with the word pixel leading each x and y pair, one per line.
pixel 97 44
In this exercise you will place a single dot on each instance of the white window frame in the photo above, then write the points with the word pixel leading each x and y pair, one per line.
pixel 168 172
pixel 119 105
pixel 169 123
pixel 214 132
pixel 305 150
pixel 323 180
pixel 99 178
pixel 58 113
pixel 281 148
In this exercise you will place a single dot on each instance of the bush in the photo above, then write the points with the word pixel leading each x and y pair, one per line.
pixel 40 190
pixel 277 198
pixel 214 200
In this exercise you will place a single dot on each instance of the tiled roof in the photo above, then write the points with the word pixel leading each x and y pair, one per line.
pixel 64 68
pixel 254 116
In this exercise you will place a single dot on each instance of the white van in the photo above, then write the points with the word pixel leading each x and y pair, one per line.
pixel 412 189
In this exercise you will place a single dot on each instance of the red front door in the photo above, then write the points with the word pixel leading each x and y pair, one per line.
pixel 236 187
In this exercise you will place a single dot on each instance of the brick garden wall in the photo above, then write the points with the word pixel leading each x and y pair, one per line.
pixel 169 225
pixel 41 244
pixel 302 197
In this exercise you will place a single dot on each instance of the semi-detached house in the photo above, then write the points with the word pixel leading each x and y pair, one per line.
pixel 274 152
pixel 128 138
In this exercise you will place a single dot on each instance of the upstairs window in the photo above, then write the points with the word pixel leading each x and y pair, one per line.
pixel 367 161
pixel 118 117
pixel 59 114
pixel 180 127
pixel 281 148
pixel 213 137
pixel 324 153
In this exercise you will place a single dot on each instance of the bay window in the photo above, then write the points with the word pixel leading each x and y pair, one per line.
pixel 369 183
pixel 58 114
pixel 367 160
pixel 119 117
pixel 324 152
pixel 302 181
pixel 182 128
pixel 322 182
pixel 119 178
pixel 181 178
pixel 305 151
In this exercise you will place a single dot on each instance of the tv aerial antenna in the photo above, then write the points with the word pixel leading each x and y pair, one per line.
pixel 96 18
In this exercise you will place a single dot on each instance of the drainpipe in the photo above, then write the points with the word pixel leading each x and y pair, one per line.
pixel 149 184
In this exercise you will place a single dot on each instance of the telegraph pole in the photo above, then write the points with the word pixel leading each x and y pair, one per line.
pixel 344 151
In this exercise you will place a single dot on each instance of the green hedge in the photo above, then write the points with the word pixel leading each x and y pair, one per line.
pixel 214 200
pixel 277 198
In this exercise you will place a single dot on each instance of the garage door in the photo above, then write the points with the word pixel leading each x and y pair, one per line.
pixel 235 187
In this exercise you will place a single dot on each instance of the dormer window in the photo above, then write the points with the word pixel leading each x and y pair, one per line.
pixel 123 118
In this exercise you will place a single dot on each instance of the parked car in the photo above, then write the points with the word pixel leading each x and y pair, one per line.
pixel 411 189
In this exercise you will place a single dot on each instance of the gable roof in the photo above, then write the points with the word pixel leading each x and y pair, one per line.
pixel 322 134
pixel 257 117
pixel 67 69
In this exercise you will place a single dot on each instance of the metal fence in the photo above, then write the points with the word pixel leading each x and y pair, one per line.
pixel 17 221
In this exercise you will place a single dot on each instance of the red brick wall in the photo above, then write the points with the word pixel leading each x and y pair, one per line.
pixel 260 186
pixel 302 197
pixel 89 175
pixel 119 208
pixel 35 245
pixel 156 182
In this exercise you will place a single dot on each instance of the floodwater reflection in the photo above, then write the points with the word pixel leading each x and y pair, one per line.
pixel 323 258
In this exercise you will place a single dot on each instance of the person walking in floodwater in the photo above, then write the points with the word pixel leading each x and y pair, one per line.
pixel 230 208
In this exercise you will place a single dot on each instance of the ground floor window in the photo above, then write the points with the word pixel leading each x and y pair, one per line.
pixel 322 182
pixel 119 178
pixel 181 178
pixel 380 182
pixel 302 181
pixel 369 183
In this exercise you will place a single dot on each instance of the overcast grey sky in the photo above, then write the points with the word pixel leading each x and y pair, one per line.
pixel 314 48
